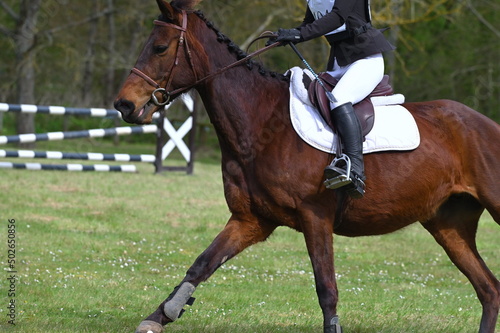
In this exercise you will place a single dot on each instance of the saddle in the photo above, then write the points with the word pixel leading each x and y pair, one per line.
pixel 364 110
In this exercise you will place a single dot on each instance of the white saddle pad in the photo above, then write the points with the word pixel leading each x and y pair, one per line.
pixel 394 127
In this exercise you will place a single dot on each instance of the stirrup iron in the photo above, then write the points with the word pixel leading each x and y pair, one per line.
pixel 345 175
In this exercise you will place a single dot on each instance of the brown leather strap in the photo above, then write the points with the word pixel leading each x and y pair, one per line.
pixel 145 77
pixel 170 25
pixel 179 46
pixel 221 70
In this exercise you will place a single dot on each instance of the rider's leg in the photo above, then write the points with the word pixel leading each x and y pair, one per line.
pixel 349 130
pixel 356 81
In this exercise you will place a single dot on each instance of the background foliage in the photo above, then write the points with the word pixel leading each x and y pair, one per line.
pixel 82 51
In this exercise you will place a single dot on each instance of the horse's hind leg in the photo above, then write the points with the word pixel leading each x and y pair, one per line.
pixel 235 237
pixel 454 228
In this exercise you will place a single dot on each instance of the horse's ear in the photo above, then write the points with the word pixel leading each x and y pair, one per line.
pixel 165 9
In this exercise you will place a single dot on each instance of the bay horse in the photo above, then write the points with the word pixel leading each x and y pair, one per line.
pixel 272 178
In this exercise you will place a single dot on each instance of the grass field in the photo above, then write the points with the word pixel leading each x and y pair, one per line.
pixel 96 252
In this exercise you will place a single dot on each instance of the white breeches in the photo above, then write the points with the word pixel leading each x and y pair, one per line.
pixel 357 80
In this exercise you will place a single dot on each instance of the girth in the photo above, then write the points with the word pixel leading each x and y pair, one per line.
pixel 364 109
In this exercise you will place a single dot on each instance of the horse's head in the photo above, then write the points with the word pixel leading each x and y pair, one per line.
pixel 164 64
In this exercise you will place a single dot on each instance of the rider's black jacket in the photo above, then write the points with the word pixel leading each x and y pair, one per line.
pixel 359 41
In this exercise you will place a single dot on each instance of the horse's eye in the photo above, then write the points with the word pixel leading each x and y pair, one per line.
pixel 158 49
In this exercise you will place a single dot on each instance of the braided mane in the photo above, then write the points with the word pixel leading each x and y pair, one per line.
pixel 185 4
pixel 235 49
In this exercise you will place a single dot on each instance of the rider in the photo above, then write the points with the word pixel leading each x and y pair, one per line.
pixel 356 61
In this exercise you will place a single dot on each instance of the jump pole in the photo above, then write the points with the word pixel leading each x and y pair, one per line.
pixel 61 110
pixel 57 155
pixel 93 133
pixel 69 167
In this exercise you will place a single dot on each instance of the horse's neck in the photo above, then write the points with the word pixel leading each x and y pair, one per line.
pixel 241 103
pixel 232 110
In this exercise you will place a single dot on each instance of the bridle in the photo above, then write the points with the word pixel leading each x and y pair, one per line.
pixel 183 42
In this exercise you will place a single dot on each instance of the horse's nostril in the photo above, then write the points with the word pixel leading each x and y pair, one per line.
pixel 126 107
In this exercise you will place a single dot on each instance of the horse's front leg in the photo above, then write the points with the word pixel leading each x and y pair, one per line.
pixel 237 235
pixel 319 240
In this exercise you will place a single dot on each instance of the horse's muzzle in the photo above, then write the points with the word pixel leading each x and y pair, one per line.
pixel 125 107
pixel 129 113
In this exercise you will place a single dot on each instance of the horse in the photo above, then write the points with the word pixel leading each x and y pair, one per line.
pixel 272 178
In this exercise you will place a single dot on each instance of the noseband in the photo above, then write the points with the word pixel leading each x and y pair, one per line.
pixel 183 42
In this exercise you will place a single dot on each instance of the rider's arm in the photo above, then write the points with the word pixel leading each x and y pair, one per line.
pixel 331 21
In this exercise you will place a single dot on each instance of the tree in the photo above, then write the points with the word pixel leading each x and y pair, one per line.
pixel 24 37
pixel 454 56
pixel 34 24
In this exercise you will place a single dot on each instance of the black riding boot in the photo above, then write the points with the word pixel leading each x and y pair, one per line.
pixel 349 130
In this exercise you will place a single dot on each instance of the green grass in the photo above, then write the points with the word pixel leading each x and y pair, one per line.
pixel 97 252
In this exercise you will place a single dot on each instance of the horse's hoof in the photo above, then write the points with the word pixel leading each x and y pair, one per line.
pixel 149 326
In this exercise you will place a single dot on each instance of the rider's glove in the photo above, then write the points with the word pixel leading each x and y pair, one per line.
pixel 289 35
pixel 286 36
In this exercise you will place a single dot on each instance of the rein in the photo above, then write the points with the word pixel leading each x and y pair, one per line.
pixel 182 41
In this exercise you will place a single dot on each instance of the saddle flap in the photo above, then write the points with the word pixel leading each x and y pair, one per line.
pixel 318 98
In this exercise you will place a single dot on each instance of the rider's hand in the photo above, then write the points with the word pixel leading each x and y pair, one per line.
pixel 285 36
pixel 289 35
